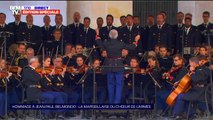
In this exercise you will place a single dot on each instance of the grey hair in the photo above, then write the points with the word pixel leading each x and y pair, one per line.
pixel 32 59
pixel 30 50
pixel 113 34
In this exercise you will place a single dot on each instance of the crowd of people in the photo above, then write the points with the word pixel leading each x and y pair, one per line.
pixel 56 64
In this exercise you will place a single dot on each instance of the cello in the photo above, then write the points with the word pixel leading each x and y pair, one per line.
pixel 183 86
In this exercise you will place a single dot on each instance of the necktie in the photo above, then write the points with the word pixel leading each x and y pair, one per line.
pixel 47 28
pixel 205 25
pixel 76 26
pixel 129 28
pixel 57 27
pixel 179 26
pixel 85 30
pixel 159 27
pixel 16 23
pixel 29 26
pixel 109 28
pixel 187 31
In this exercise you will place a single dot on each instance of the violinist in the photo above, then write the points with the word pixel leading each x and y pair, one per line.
pixel 126 56
pixel 138 77
pixel 101 82
pixel 200 75
pixel 154 70
pixel 177 71
pixel 68 59
pixel 79 51
pixel 164 59
pixel 47 86
pixel 58 81
pixel 7 80
pixel 24 61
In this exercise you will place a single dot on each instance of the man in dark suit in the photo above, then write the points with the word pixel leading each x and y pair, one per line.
pixel 149 23
pixel 60 26
pixel 205 27
pixel 122 21
pixel 30 33
pixel 178 27
pixel 115 71
pixel 99 23
pixel 15 26
pixel 86 36
pixel 104 31
pixel 71 31
pixel 190 36
pixel 129 33
pixel 47 29
pixel 161 33
pixel 5 28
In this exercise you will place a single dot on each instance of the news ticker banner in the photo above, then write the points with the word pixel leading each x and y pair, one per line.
pixel 34 10
pixel 82 106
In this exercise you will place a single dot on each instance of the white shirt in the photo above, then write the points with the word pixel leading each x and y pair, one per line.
pixel 187 30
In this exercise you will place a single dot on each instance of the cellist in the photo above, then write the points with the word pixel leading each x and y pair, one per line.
pixel 177 71
pixel 199 78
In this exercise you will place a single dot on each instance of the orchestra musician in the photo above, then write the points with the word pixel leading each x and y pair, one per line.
pixel 47 89
pixel 154 70
pixel 138 80
pixel 7 82
pixel 177 71
pixel 199 79
pixel 68 58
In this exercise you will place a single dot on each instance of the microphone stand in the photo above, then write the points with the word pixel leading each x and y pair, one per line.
pixel 182 40
pixel 5 35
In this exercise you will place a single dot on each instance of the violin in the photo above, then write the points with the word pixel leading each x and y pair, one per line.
pixel 58 70
pixel 13 69
pixel 82 69
pixel 45 70
pixel 3 74
pixel 171 71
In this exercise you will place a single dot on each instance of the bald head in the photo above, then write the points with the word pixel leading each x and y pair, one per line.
pixel 76 17
pixel 29 19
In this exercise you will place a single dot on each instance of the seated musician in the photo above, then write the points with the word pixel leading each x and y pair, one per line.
pixel 68 59
pixel 79 51
pixel 157 50
pixel 58 81
pixel 203 51
pixel 47 86
pixel 138 77
pixel 153 70
pixel 101 82
pixel 79 71
pixel 165 61
pixel 170 77
pixel 24 61
pixel 14 62
pixel 126 56
pixel 199 77
pixel 6 78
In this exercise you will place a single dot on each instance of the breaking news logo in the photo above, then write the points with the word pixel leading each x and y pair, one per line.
pixel 34 10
